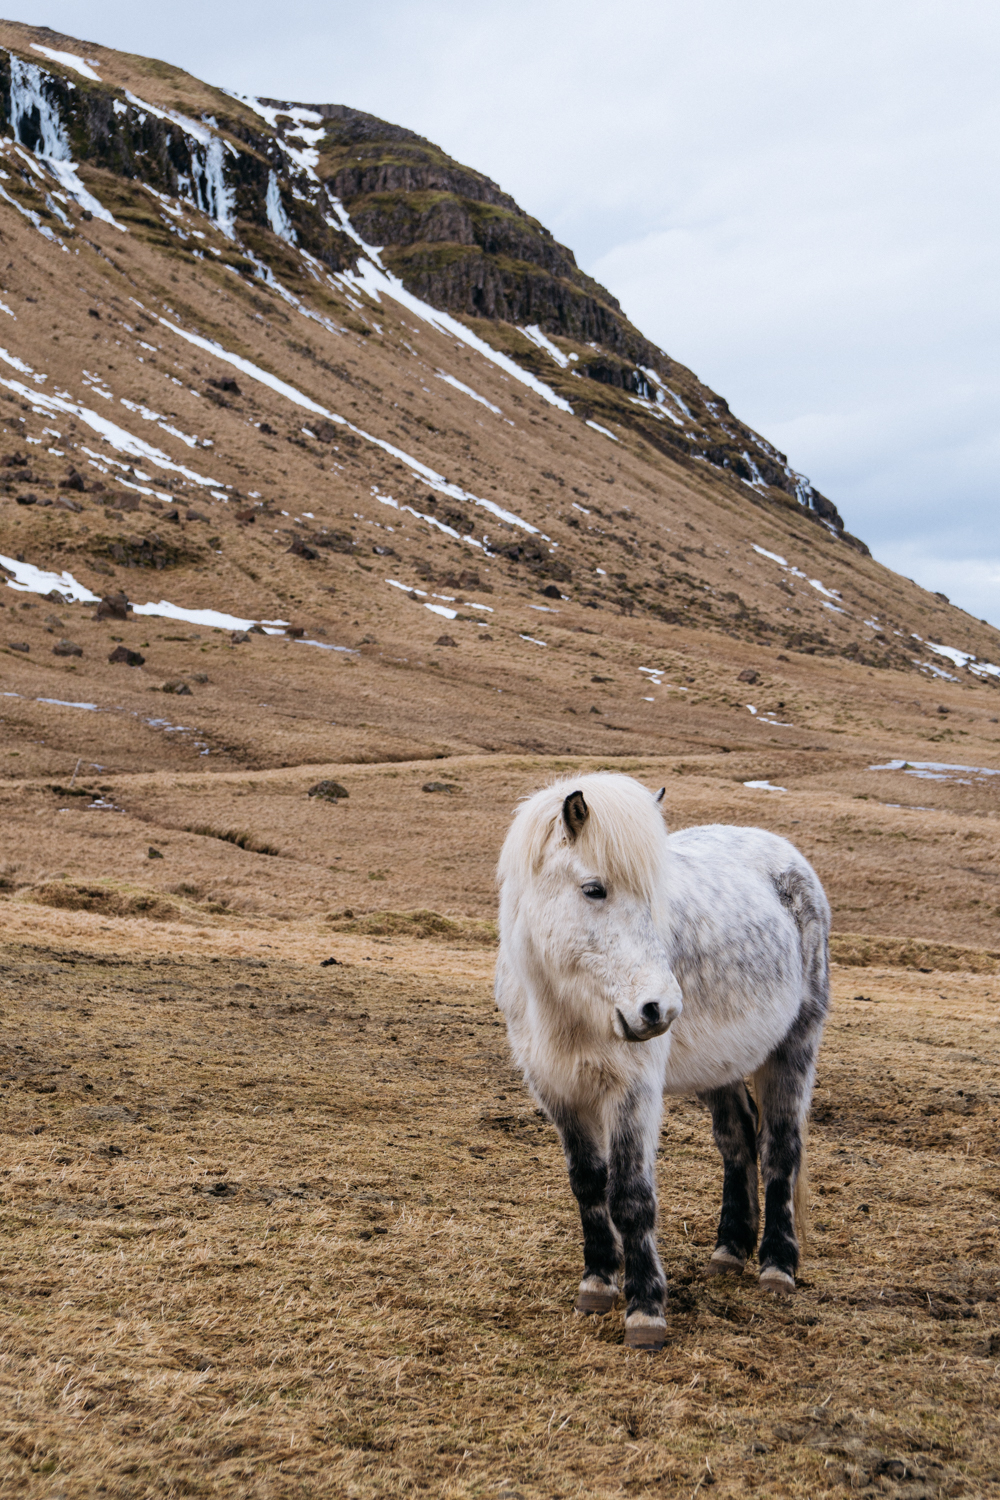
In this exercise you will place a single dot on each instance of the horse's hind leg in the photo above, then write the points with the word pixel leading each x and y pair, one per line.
pixel 784 1087
pixel 734 1126
pixel 588 1177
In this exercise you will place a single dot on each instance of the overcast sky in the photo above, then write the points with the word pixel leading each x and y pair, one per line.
pixel 799 201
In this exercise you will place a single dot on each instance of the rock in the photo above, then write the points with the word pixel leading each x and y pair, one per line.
pixel 195 515
pixel 63 502
pixel 154 853
pixel 325 963
pixel 170 515
pixel 257 630
pixel 551 592
pixel 226 384
pixel 54 622
pixel 74 481
pixel 176 686
pixel 112 607
pixel 18 646
pixel 441 786
pixel 239 636
pixel 67 648
pixel 445 640
pixel 199 676
pixel 748 675
pixel 126 657
pixel 295 631
pixel 330 791
pixel 299 549
pixel 27 499
pixel 266 429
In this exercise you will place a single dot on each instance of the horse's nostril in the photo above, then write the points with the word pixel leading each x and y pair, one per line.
pixel 651 1013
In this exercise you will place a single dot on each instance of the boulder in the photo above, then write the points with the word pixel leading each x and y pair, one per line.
pixel 330 791
pixel 127 658
pixel 67 648
pixel 112 607
pixel 445 640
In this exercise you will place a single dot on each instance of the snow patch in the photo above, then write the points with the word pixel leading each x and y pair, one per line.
pixel 537 337
pixel 936 770
pixel 115 436
pixel 468 391
pixel 430 477
pixel 371 278
pixel 68 60
pixel 772 555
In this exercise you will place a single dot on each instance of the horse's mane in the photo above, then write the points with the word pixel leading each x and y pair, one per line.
pixel 624 838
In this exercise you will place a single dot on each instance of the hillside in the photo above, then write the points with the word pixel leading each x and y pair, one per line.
pixel 433 499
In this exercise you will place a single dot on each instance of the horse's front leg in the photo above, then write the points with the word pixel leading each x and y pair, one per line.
pixel 588 1177
pixel 632 1200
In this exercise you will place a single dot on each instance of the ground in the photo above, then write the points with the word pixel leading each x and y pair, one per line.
pixel 272 1228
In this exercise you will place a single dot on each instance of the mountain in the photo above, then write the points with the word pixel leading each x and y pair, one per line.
pixel 291 364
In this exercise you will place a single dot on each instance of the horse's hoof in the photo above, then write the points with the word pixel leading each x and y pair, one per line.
pixel 595 1297
pixel 779 1282
pixel 725 1263
pixel 643 1331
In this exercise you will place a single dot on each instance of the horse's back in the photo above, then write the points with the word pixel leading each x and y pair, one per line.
pixel 748 923
pixel 742 869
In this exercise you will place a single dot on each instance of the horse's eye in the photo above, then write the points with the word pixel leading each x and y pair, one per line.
pixel 594 889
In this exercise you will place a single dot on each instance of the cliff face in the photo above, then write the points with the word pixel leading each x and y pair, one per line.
pixel 332 181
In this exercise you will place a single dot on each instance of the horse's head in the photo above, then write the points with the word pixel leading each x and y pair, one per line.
pixel 583 872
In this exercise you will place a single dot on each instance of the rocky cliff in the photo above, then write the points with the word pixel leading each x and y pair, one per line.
pixel 331 181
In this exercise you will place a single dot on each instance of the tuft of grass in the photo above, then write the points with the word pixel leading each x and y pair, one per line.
pixel 856 949
pixel 104 898
pixel 417 924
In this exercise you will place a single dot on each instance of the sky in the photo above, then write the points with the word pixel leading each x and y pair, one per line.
pixel 798 201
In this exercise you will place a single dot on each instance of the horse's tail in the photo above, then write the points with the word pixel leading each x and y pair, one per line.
pixel 802 895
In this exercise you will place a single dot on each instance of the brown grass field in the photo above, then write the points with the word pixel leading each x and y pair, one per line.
pixel 272 1229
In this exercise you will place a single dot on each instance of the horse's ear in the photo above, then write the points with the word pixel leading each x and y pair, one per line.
pixel 661 794
pixel 575 814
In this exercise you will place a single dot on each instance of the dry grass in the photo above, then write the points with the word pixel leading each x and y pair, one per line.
pixel 864 951
pixel 417 924
pixel 275 1230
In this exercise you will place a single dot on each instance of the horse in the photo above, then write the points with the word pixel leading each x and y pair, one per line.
pixel 633 963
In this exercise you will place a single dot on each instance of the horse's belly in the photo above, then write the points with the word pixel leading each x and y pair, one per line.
pixel 708 1050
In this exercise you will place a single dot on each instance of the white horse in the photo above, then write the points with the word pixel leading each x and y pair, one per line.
pixel 633 963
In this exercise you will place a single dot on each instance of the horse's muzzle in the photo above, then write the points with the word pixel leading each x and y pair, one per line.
pixel 651 1019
